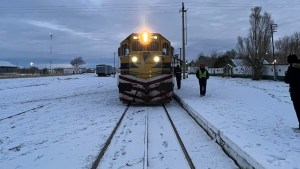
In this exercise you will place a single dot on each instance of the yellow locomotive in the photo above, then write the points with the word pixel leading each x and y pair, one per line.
pixel 145 69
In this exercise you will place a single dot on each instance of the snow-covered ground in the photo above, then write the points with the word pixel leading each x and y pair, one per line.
pixel 257 116
pixel 75 118
pixel 62 122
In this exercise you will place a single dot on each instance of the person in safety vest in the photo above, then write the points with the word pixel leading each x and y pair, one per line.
pixel 177 72
pixel 292 77
pixel 202 75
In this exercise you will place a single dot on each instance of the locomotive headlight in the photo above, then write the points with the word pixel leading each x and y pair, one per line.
pixel 134 59
pixel 156 59
pixel 145 37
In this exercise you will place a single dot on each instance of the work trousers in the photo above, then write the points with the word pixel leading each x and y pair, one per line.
pixel 202 84
pixel 178 80
pixel 297 109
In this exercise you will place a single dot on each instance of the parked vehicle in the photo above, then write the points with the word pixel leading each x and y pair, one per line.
pixel 104 70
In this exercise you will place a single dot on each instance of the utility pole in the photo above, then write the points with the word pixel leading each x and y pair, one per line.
pixel 179 56
pixel 51 36
pixel 273 29
pixel 183 10
pixel 114 64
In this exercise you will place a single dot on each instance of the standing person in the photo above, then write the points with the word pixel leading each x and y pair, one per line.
pixel 177 72
pixel 202 75
pixel 292 77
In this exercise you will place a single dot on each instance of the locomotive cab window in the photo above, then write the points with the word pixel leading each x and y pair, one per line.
pixel 165 49
pixel 154 46
pixel 127 51
pixel 124 50
pixel 135 46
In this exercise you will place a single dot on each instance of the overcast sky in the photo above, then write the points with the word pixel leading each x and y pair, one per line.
pixel 93 29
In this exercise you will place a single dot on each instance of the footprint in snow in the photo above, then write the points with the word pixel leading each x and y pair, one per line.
pixel 165 144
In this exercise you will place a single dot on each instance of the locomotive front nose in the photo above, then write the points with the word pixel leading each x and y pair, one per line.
pixel 166 87
pixel 125 87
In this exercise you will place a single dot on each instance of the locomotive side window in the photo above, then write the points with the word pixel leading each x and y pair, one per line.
pixel 122 50
pixel 172 51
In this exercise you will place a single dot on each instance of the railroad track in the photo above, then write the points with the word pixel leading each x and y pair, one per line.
pixel 43 105
pixel 151 137
pixel 26 111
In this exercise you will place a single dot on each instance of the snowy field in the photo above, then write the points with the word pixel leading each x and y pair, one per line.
pixel 76 114
pixel 62 122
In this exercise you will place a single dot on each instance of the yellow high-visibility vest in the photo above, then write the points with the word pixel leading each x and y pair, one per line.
pixel 202 75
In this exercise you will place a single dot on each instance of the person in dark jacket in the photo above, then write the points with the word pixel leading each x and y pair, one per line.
pixel 177 72
pixel 292 77
pixel 202 75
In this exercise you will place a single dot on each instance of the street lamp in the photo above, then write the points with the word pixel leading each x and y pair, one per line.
pixel 51 36
pixel 273 29
pixel 275 74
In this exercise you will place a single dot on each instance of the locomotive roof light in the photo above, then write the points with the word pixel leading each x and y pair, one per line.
pixel 156 59
pixel 134 59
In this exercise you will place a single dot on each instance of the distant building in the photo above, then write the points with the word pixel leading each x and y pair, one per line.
pixel 74 71
pixel 7 68
pixel 192 69
pixel 238 67
pixel 280 70
pixel 242 68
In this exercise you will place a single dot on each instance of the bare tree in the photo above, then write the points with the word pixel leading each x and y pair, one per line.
pixel 208 61
pixel 231 54
pixel 76 63
pixel 282 46
pixel 295 43
pixel 257 44
pixel 287 45
pixel 241 47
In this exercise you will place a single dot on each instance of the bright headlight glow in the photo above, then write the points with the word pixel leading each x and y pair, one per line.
pixel 134 59
pixel 145 37
pixel 156 59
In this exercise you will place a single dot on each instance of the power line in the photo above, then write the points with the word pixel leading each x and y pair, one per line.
pixel 132 7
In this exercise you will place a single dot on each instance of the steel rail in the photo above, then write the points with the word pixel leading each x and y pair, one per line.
pixel 108 141
pixel 22 112
pixel 186 154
